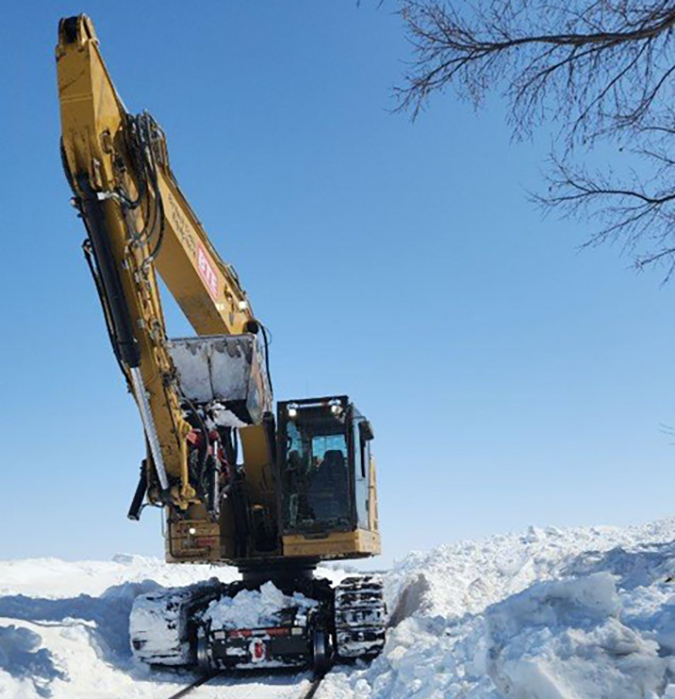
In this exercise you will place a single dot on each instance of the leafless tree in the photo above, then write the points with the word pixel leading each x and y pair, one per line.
pixel 596 69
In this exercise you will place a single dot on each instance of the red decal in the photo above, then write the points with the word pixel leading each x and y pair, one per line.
pixel 259 650
pixel 207 272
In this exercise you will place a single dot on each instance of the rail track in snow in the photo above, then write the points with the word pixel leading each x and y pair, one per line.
pixel 242 690
pixel 313 687
pixel 191 687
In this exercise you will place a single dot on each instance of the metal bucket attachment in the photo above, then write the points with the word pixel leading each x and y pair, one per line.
pixel 224 369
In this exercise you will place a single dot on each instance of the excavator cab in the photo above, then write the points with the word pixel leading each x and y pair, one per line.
pixel 324 468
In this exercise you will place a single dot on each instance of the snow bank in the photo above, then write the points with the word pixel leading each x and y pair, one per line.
pixel 585 613
pixel 64 629
pixel 21 657
pixel 564 639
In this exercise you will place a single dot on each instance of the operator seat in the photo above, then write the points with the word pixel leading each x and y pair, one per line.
pixel 330 486
pixel 333 467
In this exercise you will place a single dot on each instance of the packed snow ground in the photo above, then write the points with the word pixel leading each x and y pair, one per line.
pixel 586 613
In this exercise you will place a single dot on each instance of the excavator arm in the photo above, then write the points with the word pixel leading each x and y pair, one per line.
pixel 140 224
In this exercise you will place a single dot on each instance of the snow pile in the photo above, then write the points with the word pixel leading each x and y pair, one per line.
pixel 250 609
pixel 585 613
pixel 157 626
pixel 64 630
pixel 550 614
pixel 22 657
pixel 566 639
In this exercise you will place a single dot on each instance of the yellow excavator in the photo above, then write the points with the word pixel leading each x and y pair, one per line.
pixel 273 493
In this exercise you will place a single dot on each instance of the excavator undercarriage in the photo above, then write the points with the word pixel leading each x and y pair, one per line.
pixel 319 625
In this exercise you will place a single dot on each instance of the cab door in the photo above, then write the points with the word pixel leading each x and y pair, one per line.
pixel 361 472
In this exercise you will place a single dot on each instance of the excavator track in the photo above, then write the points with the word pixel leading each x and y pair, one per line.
pixel 360 615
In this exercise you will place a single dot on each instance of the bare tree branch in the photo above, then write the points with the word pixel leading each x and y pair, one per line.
pixel 599 69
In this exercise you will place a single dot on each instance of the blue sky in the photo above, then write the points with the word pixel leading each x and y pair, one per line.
pixel 511 380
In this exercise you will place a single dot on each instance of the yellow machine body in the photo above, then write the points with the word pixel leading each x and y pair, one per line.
pixel 140 225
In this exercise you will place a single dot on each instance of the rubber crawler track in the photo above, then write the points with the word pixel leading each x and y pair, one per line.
pixel 308 694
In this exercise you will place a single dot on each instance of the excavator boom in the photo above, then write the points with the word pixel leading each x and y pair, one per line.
pixel 139 223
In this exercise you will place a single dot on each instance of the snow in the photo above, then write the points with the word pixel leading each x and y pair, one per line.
pixel 216 367
pixel 222 417
pixel 250 609
pixel 158 625
pixel 53 578
pixel 564 639
pixel 64 631
pixel 585 613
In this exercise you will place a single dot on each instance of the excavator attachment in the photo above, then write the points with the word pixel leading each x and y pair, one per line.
pixel 225 373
